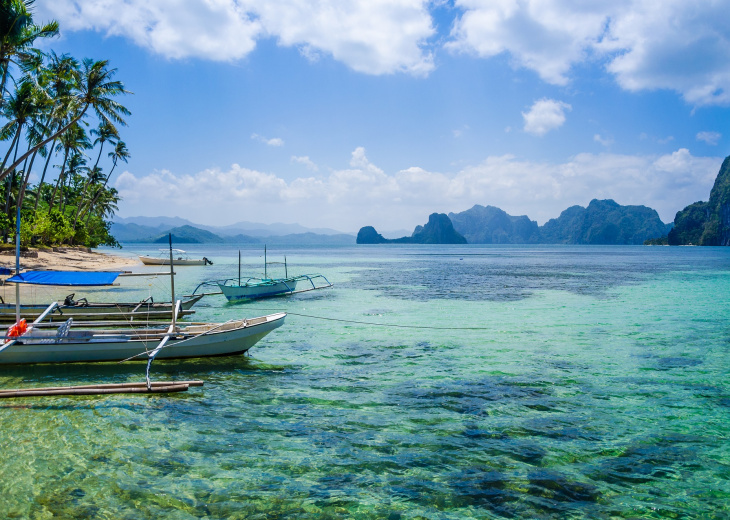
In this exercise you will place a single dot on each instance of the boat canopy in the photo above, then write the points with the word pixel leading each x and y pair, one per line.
pixel 72 278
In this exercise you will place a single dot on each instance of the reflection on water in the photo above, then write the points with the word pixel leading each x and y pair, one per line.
pixel 596 389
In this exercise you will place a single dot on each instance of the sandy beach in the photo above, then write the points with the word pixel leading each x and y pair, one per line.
pixel 67 259
pixel 62 259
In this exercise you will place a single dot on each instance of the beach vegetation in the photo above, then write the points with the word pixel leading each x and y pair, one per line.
pixel 59 117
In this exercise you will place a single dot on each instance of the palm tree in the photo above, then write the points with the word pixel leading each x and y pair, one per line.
pixel 57 80
pixel 75 168
pixel 93 88
pixel 105 132
pixel 120 152
pixel 94 176
pixel 21 108
pixel 107 204
pixel 74 140
pixel 17 34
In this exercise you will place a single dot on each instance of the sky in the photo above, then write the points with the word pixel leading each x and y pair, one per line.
pixel 347 113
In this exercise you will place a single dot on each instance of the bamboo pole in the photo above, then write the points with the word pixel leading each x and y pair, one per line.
pixel 17 264
pixel 129 327
pixel 162 316
pixel 91 390
pixel 194 382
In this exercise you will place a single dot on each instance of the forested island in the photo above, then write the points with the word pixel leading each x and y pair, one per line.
pixel 47 102
pixel 602 222
pixel 706 223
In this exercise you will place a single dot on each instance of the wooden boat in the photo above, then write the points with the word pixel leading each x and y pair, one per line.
pixel 254 288
pixel 23 344
pixel 82 310
pixel 66 345
pixel 181 258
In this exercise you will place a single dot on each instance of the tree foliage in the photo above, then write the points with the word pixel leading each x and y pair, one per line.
pixel 706 223
pixel 47 102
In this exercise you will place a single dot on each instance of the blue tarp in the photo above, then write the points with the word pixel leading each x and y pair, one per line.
pixel 5 270
pixel 65 278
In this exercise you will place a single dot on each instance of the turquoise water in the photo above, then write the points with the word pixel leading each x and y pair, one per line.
pixel 554 382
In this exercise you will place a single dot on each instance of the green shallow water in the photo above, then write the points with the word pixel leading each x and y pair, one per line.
pixel 572 382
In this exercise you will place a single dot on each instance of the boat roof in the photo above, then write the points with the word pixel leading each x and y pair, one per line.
pixel 66 278
pixel 174 251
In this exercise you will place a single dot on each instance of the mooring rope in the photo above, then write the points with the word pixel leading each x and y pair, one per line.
pixel 357 322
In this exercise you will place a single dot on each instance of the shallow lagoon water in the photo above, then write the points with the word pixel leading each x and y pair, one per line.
pixel 531 382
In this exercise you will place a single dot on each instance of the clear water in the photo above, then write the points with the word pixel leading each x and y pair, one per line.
pixel 554 382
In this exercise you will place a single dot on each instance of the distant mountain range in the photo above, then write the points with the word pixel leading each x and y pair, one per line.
pixel 156 229
pixel 602 222
pixel 254 229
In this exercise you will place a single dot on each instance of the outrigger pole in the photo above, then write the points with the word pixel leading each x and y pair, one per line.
pixel 172 280
pixel 17 266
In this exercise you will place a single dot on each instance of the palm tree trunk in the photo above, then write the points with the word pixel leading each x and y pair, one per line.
pixel 40 185
pixel 11 180
pixel 24 186
pixel 6 64
pixel 58 181
pixel 10 150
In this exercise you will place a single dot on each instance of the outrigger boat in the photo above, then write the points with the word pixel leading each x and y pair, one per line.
pixel 83 310
pixel 40 343
pixel 182 259
pixel 254 288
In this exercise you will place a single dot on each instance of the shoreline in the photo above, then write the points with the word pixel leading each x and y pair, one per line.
pixel 58 259
pixel 66 259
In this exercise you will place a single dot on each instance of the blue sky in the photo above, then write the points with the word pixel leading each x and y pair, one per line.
pixel 346 113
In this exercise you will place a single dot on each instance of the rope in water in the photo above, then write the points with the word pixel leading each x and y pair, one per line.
pixel 391 325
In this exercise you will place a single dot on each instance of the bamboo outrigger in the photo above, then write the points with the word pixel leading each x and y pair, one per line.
pixel 24 344
pixel 253 288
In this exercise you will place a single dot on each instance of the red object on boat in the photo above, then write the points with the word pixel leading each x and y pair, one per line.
pixel 18 329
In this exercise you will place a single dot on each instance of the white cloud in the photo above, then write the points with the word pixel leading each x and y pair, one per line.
pixel 306 161
pixel 711 138
pixel 605 141
pixel 218 30
pixel 545 115
pixel 370 36
pixel 363 194
pixel 275 141
pixel 646 44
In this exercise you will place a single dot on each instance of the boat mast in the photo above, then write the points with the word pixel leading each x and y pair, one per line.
pixel 239 267
pixel 286 272
pixel 172 282
pixel 265 275
pixel 17 266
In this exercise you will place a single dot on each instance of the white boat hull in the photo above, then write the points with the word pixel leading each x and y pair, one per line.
pixel 149 260
pixel 257 290
pixel 227 340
